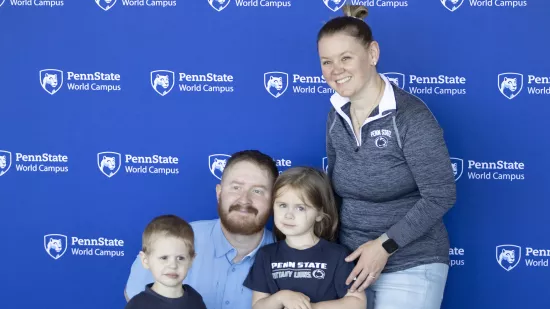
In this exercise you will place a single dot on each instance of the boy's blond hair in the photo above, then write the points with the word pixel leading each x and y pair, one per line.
pixel 168 226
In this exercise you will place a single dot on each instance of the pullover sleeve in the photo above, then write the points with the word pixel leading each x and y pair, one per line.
pixel 427 156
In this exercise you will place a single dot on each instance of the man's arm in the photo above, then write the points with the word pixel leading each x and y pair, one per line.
pixel 138 279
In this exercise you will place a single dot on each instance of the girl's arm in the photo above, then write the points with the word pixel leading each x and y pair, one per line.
pixel 282 299
pixel 356 300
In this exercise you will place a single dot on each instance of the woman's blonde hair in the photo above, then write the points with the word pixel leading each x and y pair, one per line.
pixel 314 188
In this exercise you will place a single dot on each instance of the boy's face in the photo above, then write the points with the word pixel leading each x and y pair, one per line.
pixel 168 261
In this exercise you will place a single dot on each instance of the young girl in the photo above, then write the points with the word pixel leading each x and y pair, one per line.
pixel 304 269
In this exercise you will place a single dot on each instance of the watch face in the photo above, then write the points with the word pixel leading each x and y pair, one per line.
pixel 390 245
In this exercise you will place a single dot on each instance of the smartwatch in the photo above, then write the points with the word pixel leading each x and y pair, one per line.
pixel 388 244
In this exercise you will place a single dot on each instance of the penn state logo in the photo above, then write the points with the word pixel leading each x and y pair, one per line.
pixel 397 78
pixel 452 5
pixel 162 81
pixel 5 161
pixel 105 4
pixel 325 164
pixel 219 5
pixel 51 80
pixel 318 274
pixel 276 83
pixel 508 256
pixel 55 245
pixel 510 84
pixel 334 5
pixel 216 164
pixel 458 166
pixel 109 163
pixel 381 142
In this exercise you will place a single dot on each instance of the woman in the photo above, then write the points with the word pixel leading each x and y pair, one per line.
pixel 389 165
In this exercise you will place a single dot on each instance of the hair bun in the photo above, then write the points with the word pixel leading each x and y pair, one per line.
pixel 357 11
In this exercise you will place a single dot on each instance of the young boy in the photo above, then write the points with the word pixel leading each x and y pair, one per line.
pixel 168 251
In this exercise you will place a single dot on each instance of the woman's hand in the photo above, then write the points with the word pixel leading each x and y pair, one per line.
pixel 372 260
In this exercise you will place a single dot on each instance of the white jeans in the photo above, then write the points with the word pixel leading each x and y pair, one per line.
pixel 419 287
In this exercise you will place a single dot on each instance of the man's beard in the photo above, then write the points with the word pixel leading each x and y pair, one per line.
pixel 244 226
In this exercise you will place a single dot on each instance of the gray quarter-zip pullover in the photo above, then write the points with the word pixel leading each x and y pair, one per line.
pixel 395 178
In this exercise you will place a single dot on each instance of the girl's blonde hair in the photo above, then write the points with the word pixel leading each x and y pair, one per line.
pixel 315 189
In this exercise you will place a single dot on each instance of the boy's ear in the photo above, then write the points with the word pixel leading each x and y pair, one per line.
pixel 144 259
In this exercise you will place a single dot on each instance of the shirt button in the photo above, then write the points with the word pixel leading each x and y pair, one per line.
pixel 227 302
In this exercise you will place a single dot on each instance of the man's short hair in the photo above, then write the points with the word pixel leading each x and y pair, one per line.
pixel 168 226
pixel 256 157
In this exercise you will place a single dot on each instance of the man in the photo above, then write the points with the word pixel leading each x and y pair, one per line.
pixel 226 247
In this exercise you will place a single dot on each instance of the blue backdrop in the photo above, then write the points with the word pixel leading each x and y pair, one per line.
pixel 116 111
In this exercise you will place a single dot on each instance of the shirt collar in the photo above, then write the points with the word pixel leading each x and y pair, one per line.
pixel 222 246
pixel 387 103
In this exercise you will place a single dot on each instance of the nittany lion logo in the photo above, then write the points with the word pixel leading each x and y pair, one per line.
pixel 109 163
pixel 51 80
pixel 216 164
pixel 397 78
pixel 325 164
pixel 105 4
pixel 162 81
pixel 5 161
pixel 318 274
pixel 276 83
pixel 458 166
pixel 508 256
pixel 452 5
pixel 334 5
pixel 510 84
pixel 219 5
pixel 55 245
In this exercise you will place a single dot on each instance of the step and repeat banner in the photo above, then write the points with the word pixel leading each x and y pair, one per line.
pixel 116 111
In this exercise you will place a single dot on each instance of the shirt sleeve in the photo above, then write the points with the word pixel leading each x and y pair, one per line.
pixel 259 276
pixel 331 153
pixel 428 159
pixel 343 269
pixel 138 279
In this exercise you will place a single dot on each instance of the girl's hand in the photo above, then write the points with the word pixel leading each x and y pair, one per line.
pixel 293 300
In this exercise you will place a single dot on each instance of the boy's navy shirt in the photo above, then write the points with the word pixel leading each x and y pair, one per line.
pixel 319 272
pixel 149 299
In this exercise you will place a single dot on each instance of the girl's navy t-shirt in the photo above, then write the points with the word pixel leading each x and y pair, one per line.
pixel 320 272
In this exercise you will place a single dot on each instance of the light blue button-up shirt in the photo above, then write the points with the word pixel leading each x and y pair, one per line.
pixel 213 274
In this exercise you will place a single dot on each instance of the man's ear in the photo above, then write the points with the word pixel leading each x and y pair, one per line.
pixel 218 191
pixel 144 259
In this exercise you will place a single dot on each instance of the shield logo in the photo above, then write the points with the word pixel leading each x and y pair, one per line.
pixel 55 245
pixel 216 164
pixel 162 81
pixel 510 84
pixel 334 5
pixel 452 5
pixel 51 80
pixel 219 5
pixel 458 167
pixel 276 83
pixel 325 164
pixel 397 78
pixel 1 2
pixel 105 4
pixel 5 161
pixel 109 163
pixel 508 256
